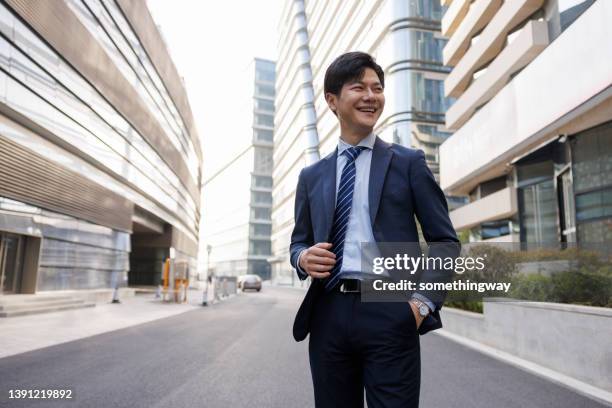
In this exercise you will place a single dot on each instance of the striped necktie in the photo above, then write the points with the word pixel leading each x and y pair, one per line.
pixel 343 211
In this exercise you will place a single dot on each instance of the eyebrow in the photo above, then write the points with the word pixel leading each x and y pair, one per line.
pixel 359 82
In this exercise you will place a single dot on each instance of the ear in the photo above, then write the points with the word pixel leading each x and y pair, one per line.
pixel 332 101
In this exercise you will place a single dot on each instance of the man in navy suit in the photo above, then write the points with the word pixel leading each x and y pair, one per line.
pixel 365 192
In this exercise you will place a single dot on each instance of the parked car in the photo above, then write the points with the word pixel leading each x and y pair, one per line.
pixel 249 282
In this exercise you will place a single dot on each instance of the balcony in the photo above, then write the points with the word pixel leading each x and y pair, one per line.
pixel 552 95
pixel 524 48
pixel 478 15
pixel 490 43
pixel 496 206
pixel 454 15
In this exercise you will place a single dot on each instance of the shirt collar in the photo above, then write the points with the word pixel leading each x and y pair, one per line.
pixel 366 142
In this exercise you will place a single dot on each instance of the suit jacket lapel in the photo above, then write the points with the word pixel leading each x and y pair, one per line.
pixel 329 191
pixel 381 157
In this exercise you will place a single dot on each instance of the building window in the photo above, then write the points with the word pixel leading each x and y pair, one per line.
pixel 426 47
pixel 264 104
pixel 265 120
pixel 262 75
pixel 494 229
pixel 261 268
pixel 260 197
pixel 263 160
pixel 596 232
pixel 492 186
pixel 262 181
pixel 260 213
pixel 490 229
pixel 260 247
pixel 592 161
pixel 431 10
pixel 264 135
pixel 594 205
pixel 261 229
pixel 427 97
pixel 266 90
pixel 592 178
pixel 434 96
pixel 538 211
pixel 432 130
pixel 537 202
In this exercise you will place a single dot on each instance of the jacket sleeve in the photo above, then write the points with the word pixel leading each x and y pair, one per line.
pixel 431 211
pixel 302 236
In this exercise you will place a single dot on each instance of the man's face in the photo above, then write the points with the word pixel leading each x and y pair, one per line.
pixel 360 102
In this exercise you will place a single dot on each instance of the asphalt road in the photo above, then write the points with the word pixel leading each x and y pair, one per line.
pixel 240 353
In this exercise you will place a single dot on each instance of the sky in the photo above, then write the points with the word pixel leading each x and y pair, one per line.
pixel 212 43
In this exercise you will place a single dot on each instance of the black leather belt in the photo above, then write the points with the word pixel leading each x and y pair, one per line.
pixel 349 286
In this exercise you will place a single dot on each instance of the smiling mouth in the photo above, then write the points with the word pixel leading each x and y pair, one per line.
pixel 367 110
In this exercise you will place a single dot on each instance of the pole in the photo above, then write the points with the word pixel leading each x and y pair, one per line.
pixel 115 289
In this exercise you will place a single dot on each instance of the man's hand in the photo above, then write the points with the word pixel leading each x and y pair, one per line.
pixel 417 316
pixel 317 260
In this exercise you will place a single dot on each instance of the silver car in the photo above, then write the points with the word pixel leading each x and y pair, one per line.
pixel 249 282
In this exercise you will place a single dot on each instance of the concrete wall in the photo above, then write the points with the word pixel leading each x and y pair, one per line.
pixel 570 339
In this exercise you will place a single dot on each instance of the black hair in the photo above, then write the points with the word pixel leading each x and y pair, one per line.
pixel 347 68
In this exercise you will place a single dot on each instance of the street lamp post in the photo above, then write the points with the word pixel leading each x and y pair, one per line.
pixel 208 279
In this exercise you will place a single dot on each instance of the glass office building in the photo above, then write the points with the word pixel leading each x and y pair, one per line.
pixel 99 157
pixel 532 120
pixel 238 195
pixel 404 37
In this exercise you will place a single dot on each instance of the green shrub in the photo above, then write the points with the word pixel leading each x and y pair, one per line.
pixel 500 265
pixel 587 287
pixel 578 257
pixel 587 282
pixel 532 287
pixel 468 305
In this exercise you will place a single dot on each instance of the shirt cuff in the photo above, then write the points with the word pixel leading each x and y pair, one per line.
pixel 424 299
pixel 301 273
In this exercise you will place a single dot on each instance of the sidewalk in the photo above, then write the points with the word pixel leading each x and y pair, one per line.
pixel 288 283
pixel 26 333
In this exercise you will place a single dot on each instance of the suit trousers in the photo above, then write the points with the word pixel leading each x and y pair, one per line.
pixel 356 344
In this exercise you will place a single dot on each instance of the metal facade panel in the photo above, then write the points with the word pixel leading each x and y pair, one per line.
pixel 31 178
pixel 137 13
pixel 56 23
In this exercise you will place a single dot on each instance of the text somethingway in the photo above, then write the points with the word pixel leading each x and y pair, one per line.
pixel 455 285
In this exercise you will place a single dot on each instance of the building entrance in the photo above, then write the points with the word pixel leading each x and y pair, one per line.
pixel 11 255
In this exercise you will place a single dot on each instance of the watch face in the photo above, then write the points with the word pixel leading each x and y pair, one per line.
pixel 423 310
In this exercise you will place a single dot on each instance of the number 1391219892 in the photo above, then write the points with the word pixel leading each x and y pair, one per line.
pixel 40 394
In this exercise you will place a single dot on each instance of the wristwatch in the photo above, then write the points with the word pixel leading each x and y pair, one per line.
pixel 422 307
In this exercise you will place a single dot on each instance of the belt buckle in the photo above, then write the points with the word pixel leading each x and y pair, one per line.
pixel 344 289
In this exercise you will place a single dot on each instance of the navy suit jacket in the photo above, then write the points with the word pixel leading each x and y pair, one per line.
pixel 401 186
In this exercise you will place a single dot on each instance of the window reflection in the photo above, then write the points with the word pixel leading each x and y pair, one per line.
pixel 427 9
pixel 68 106
pixel 427 96
pixel 104 22
pixel 592 179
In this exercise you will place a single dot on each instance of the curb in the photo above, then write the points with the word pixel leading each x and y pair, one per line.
pixel 595 393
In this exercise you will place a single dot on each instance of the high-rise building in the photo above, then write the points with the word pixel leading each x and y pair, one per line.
pixel 99 156
pixel 238 195
pixel 532 120
pixel 403 36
